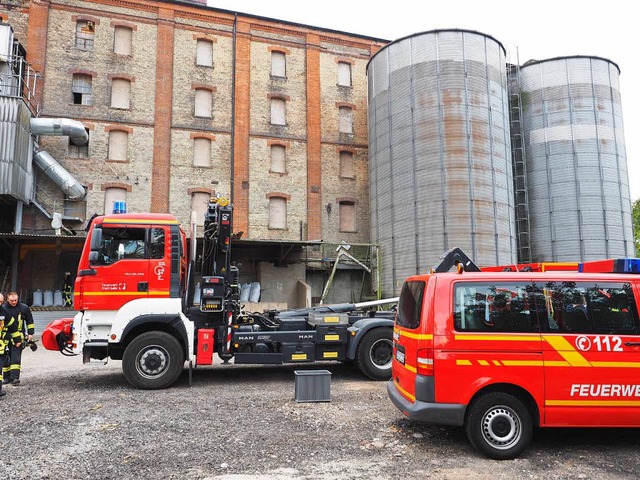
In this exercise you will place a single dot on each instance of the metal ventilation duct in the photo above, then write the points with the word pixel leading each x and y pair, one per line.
pixel 71 187
pixel 60 126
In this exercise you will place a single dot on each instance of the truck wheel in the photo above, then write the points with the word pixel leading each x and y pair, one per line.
pixel 375 353
pixel 499 425
pixel 153 360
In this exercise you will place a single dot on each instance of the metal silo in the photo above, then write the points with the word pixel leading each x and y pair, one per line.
pixel 439 152
pixel 579 201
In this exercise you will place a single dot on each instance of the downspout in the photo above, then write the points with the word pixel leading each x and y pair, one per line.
pixel 233 107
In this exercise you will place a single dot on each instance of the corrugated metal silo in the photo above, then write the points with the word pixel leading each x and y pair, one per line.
pixel 579 199
pixel 439 152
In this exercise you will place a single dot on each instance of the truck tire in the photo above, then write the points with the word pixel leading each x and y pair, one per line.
pixel 374 354
pixel 499 425
pixel 153 360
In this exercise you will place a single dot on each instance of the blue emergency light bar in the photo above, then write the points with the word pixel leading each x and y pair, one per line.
pixel 614 265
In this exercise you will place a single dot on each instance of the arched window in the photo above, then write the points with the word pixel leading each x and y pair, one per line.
pixel 278 213
pixel 118 146
pixel 204 53
pixel 111 195
pixel 120 93
pixel 278 159
pixel 122 40
pixel 347 216
pixel 203 103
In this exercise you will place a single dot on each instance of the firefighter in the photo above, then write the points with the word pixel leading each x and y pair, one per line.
pixel 8 334
pixel 21 314
pixel 68 290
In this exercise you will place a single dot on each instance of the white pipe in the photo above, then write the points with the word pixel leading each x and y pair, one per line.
pixel 71 187
pixel 60 126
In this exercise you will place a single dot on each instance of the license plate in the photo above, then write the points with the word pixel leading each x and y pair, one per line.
pixel 400 356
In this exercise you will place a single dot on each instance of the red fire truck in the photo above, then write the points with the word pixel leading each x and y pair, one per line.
pixel 137 302
pixel 503 352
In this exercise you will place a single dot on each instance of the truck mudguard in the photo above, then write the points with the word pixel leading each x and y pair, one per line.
pixel 172 320
pixel 361 327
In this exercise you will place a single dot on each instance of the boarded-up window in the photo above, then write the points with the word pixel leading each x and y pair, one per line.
pixel 278 64
pixel 203 103
pixel 79 151
pixel 122 40
pixel 81 89
pixel 118 146
pixel 199 205
pixel 344 74
pixel 278 159
pixel 347 217
pixel 201 152
pixel 278 212
pixel 346 120
pixel 278 112
pixel 120 93
pixel 113 194
pixel 85 33
pixel 346 164
pixel 204 53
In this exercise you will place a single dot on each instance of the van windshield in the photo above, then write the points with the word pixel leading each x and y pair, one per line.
pixel 410 304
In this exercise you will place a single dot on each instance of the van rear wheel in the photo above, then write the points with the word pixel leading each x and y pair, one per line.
pixel 499 425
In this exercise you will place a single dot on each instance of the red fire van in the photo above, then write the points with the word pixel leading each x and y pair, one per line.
pixel 503 352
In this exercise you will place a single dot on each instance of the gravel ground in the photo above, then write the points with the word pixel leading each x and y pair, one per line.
pixel 74 421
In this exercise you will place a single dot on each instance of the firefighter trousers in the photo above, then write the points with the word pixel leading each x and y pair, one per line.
pixel 11 369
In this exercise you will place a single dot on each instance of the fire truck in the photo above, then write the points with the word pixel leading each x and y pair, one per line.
pixel 136 300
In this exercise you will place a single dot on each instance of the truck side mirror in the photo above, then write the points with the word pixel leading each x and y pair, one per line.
pixel 96 239
pixel 94 257
pixel 120 251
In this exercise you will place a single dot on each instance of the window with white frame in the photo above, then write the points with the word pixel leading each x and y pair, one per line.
pixel 120 93
pixel 118 146
pixel 345 120
pixel 344 74
pixel 278 64
pixel 85 33
pixel 347 216
pixel 201 152
pixel 346 164
pixel 204 53
pixel 203 103
pixel 278 112
pixel 122 37
pixel 278 159
pixel 278 213
pixel 111 195
pixel 81 88
pixel 199 205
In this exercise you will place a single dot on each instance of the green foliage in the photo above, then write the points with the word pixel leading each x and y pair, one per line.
pixel 636 225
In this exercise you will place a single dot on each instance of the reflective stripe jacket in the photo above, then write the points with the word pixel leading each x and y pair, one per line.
pixel 8 330
pixel 23 317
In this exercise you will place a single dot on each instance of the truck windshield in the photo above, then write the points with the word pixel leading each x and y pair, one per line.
pixel 410 304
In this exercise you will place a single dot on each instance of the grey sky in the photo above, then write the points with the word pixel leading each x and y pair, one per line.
pixel 541 29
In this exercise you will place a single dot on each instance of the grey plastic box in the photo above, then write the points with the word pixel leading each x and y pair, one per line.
pixel 313 385
pixel 316 319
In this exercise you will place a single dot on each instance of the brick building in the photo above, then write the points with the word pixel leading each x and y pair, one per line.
pixel 182 101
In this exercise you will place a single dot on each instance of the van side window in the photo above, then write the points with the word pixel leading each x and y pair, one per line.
pixel 410 304
pixel 494 307
pixel 587 307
